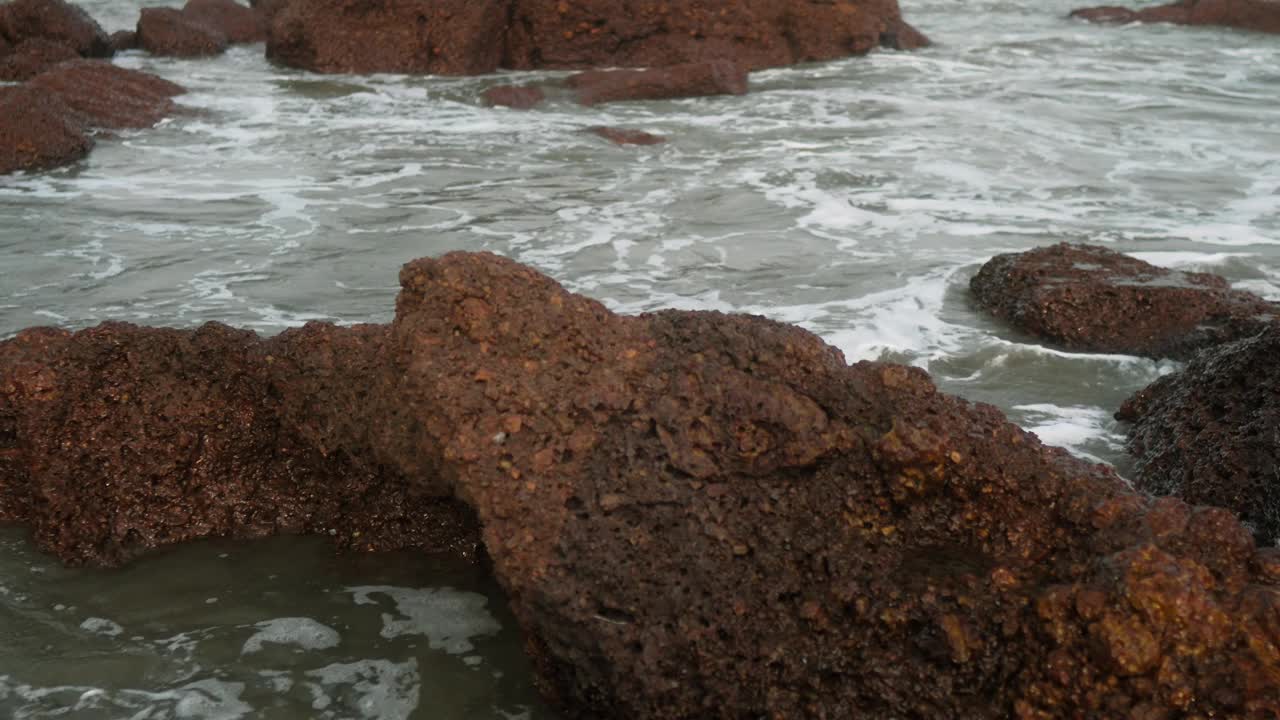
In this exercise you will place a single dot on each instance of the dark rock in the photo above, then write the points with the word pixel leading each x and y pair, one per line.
pixel 520 98
pixel 165 31
pixel 239 23
pixel 693 514
pixel 445 37
pixel 676 81
pixel 1210 434
pixel 623 136
pixel 1088 298
pixel 33 56
pixel 54 20
pixel 103 95
pixel 1258 15
pixel 267 9
pixel 37 132
pixel 122 40
pixel 5 47
pixel 134 438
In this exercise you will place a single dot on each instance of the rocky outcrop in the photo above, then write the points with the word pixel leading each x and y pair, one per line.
pixel 238 23
pixel 165 31
pixel 1089 298
pixel 718 77
pixel 694 514
pixel 519 98
pixel 623 136
pixel 53 20
pixel 457 37
pixel 38 131
pixel 122 40
pixel 31 57
pixel 1257 15
pixel 1211 433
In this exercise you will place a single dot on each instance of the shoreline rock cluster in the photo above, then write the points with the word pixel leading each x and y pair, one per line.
pixel 693 514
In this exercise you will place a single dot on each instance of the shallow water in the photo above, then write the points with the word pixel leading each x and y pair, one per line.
pixel 855 198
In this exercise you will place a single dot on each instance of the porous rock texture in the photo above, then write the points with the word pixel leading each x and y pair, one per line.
pixel 54 20
pixel 38 131
pixel 1089 298
pixel 33 56
pixel 169 32
pixel 1257 15
pixel 625 136
pixel 479 36
pixel 516 97
pixel 717 77
pixel 239 23
pixel 1211 433
pixel 103 95
pixel 695 515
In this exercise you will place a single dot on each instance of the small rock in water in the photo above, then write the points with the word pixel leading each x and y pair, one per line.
pixel 622 136
pixel 519 98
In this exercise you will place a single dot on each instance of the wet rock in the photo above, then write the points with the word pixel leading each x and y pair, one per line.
pixel 5 47
pixel 267 9
pixel 754 34
pixel 122 40
pixel 520 98
pixel 1210 434
pixel 165 31
pixel 623 136
pixel 677 81
pixel 38 132
pixel 33 56
pixel 1089 298
pixel 239 23
pixel 53 20
pixel 133 438
pixel 449 37
pixel 103 95
pixel 1257 15
pixel 693 514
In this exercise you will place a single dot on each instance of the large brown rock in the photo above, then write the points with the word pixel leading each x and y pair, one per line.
pixel 33 56
pixel 1211 433
pixel 103 95
pixel 5 46
pixel 718 77
pixel 165 31
pixel 38 131
pixel 239 23
pixel 694 515
pixel 54 20
pixel 455 37
pixel 444 37
pixel 1089 298
pixel 1258 15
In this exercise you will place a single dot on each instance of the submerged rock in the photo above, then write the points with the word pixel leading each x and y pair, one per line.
pixel 38 131
pixel 103 95
pixel 1258 15
pixel 676 81
pixel 165 31
pixel 54 20
pixel 1211 433
pixel 239 23
pixel 454 37
pixel 1091 299
pixel 33 56
pixel 693 514
pixel 623 136
pixel 519 98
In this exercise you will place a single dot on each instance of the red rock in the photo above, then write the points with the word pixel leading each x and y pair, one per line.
pixel 104 95
pixel 32 57
pixel 1089 298
pixel 1210 434
pixel 445 37
pixel 267 9
pixel 1258 15
pixel 239 23
pixel 38 131
pixel 520 98
pixel 124 40
pixel 623 136
pixel 54 20
pixel 165 31
pixel 675 81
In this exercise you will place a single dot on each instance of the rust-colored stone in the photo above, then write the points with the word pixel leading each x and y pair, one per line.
pixel 103 95
pixel 38 131
pixel 33 56
pixel 1211 433
pixel 1257 15
pixel 519 98
pixel 1089 298
pixel 54 20
pixel 238 23
pixel 122 40
pixel 166 31
pixel 624 136
pixel 718 77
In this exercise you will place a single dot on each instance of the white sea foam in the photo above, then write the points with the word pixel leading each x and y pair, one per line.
pixel 303 633
pixel 451 620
